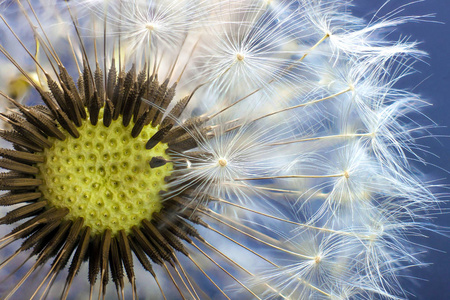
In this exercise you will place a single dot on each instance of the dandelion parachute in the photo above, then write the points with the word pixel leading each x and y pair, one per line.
pixel 206 149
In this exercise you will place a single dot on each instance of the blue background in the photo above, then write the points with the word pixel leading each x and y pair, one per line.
pixel 432 81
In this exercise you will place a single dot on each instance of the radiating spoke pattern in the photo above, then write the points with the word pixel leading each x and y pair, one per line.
pixel 207 149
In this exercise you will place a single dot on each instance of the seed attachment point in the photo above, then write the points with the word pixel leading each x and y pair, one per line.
pixel 222 162
pixel 317 259
pixel 150 26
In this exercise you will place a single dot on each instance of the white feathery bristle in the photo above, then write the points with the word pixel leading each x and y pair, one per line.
pixel 293 150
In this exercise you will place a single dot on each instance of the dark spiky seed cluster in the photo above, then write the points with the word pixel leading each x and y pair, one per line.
pixel 46 230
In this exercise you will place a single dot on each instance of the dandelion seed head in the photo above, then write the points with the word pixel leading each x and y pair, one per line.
pixel 101 178
pixel 207 149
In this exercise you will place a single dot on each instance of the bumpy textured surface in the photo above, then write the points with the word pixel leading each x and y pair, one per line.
pixel 104 176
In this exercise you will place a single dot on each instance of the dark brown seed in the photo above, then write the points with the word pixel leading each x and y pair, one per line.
pixel 57 240
pixel 175 242
pixel 116 265
pixel 27 130
pixel 70 244
pixel 164 221
pixel 105 246
pixel 94 108
pixel 48 100
pixel 39 235
pixel 188 228
pixel 128 85
pixel 22 212
pixel 111 82
pixel 56 92
pixel 44 122
pixel 156 234
pixel 16 138
pixel 16 166
pixel 125 254
pixel 67 124
pixel 189 125
pixel 189 140
pixel 13 117
pixel 70 84
pixel 18 183
pixel 146 245
pixel 157 244
pixel 41 121
pixel 73 110
pixel 50 215
pixel 13 174
pixel 140 254
pixel 157 161
pixel 21 156
pixel 140 123
pixel 141 106
pixel 117 98
pixel 31 133
pixel 94 259
pixel 105 250
pixel 128 108
pixel 108 113
pixel 43 109
pixel 80 84
pixel 151 97
pixel 78 258
pixel 157 99
pixel 99 86
pixel 167 98
pixel 142 76
pixel 104 282
pixel 41 244
pixel 87 82
pixel 70 106
pixel 184 145
pixel 157 137
pixel 11 199
pixel 176 112
pixel 75 230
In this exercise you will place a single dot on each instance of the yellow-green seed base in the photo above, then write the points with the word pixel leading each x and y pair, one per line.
pixel 104 176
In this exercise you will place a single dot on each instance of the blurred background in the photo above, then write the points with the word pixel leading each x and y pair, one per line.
pixel 432 82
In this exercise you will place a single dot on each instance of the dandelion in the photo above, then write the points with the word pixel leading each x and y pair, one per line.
pixel 207 149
